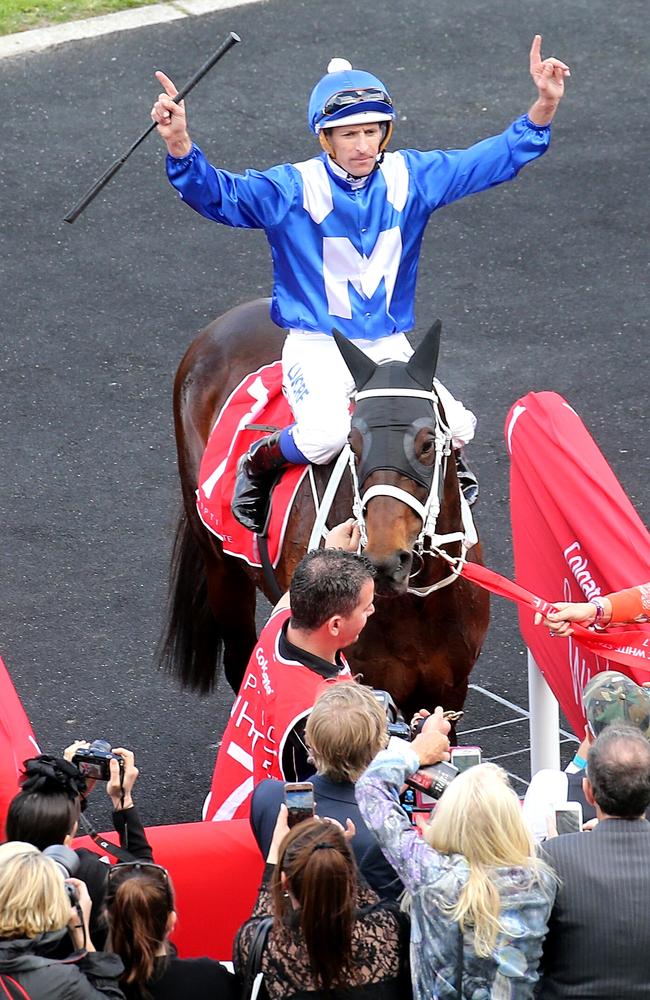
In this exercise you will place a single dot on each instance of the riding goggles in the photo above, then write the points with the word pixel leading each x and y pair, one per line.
pixel 347 98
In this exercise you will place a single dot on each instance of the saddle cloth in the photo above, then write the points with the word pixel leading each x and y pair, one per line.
pixel 258 399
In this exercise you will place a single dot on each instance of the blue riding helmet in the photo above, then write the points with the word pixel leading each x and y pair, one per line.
pixel 348 96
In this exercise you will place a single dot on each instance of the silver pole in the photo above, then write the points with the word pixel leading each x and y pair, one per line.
pixel 544 721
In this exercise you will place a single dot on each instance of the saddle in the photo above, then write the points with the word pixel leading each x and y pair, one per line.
pixel 254 409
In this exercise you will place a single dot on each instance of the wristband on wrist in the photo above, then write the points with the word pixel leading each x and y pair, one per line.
pixel 600 610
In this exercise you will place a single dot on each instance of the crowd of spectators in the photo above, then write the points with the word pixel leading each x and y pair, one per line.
pixel 356 901
pixel 366 897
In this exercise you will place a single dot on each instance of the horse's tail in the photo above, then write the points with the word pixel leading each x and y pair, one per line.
pixel 192 643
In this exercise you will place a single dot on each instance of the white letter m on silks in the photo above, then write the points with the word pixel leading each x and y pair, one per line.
pixel 343 265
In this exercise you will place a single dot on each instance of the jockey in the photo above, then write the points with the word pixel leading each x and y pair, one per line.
pixel 345 230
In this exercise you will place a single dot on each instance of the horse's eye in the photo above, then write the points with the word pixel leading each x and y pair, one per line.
pixel 355 441
pixel 427 446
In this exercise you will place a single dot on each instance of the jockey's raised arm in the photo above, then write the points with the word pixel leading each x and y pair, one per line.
pixel 345 230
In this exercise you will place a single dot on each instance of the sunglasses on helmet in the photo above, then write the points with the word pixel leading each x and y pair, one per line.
pixel 346 98
pixel 130 869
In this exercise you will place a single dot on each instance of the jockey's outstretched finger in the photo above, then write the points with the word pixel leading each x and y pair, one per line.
pixel 170 87
pixel 536 51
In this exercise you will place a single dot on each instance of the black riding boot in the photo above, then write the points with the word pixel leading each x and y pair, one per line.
pixel 256 473
pixel 466 478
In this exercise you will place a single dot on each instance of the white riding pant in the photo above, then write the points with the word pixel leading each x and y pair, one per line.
pixel 318 387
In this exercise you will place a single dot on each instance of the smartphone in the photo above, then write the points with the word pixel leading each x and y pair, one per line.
pixel 430 782
pixel 568 817
pixel 299 798
pixel 465 757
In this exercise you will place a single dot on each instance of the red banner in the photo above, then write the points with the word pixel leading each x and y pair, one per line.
pixel 216 869
pixel 17 742
pixel 575 536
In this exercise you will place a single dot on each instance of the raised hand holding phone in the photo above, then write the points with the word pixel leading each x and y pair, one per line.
pixel 299 799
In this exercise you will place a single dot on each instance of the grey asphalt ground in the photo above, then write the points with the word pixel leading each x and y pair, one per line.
pixel 540 285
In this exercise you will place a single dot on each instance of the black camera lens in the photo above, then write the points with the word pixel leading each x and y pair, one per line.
pixel 66 860
pixel 102 746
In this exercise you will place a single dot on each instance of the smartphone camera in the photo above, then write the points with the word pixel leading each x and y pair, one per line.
pixel 299 799
pixel 465 757
pixel 568 817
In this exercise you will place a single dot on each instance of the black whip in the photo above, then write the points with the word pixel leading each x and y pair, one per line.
pixel 92 192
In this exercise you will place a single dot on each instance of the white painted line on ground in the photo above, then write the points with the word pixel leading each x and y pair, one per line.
pixel 493 725
pixel 502 701
pixel 511 753
pixel 515 708
pixel 92 27
pixel 515 777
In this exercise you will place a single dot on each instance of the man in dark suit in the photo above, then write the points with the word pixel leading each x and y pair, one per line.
pixel 346 728
pixel 599 929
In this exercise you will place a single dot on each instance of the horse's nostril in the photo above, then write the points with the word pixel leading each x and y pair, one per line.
pixel 395 568
pixel 404 560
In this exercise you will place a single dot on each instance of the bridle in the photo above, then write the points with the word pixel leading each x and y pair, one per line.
pixel 429 542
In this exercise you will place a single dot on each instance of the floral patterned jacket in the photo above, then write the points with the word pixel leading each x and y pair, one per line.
pixel 510 973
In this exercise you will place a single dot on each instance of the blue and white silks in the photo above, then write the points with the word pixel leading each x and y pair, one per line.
pixel 348 257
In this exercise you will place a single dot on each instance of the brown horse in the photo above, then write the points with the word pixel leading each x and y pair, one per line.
pixel 420 646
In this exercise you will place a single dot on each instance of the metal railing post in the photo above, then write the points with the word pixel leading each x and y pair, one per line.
pixel 544 721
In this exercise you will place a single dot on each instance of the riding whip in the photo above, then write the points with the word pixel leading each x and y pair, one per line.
pixel 231 40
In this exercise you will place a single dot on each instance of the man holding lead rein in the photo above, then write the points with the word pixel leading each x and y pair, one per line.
pixel 345 230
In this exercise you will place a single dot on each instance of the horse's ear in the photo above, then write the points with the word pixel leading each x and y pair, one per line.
pixel 361 367
pixel 422 366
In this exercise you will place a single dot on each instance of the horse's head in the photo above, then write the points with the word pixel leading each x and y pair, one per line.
pixel 400 442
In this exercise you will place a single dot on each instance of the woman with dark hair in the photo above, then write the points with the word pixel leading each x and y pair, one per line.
pixel 48 807
pixel 331 935
pixel 141 916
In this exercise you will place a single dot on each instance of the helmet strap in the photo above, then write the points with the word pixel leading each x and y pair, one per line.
pixel 325 143
pixel 388 131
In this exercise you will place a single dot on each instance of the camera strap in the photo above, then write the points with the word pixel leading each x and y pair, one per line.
pixel 11 988
pixel 115 850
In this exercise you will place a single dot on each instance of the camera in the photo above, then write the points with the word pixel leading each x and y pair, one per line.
pixel 67 862
pixel 95 761
pixel 394 718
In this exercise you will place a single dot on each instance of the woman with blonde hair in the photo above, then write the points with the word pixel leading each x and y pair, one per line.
pixel 35 913
pixel 480 898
